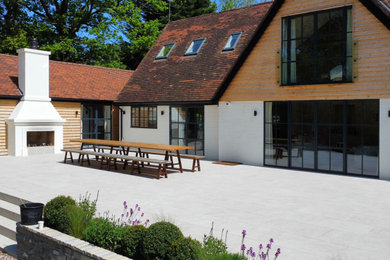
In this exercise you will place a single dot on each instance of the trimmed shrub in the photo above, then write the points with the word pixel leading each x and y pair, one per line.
pixel 131 243
pixel 103 233
pixel 223 257
pixel 55 214
pixel 185 248
pixel 159 238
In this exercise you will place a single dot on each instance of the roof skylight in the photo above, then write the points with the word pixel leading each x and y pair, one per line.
pixel 165 51
pixel 232 41
pixel 195 47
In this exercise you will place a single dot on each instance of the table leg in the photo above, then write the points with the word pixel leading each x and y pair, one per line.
pixel 140 155
pixel 179 159
pixel 81 148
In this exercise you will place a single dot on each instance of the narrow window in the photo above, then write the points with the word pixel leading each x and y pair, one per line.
pixel 165 51
pixel 232 41
pixel 144 116
pixel 195 47
pixel 316 47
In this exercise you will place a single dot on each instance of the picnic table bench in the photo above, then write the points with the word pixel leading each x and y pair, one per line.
pixel 135 161
pixel 195 158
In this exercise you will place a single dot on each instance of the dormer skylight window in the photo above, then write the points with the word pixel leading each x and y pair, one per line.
pixel 165 51
pixel 195 47
pixel 232 42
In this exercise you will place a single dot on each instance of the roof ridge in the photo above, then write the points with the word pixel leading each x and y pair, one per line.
pixel 222 12
pixel 88 65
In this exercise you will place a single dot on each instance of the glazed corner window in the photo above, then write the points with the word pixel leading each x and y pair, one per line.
pixel 165 51
pixel 317 47
pixel 144 116
pixel 232 42
pixel 195 47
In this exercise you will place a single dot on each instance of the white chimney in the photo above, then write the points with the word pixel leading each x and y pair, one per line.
pixel 35 125
pixel 34 74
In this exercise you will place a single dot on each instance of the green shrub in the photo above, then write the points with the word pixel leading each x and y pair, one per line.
pixel 131 243
pixel 159 238
pixel 103 233
pixel 225 256
pixel 213 246
pixel 55 214
pixel 78 220
pixel 185 248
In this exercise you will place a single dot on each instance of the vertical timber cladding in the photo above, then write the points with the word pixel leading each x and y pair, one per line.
pixel 257 79
pixel 6 108
pixel 71 112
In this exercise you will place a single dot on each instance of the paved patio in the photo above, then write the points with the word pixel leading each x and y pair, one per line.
pixel 309 215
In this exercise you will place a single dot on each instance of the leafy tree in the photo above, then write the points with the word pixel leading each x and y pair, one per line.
pixel 112 33
pixel 233 4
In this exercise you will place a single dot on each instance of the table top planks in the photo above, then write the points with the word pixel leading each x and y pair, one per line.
pixel 152 146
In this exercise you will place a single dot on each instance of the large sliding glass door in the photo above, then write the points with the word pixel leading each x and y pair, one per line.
pixel 187 127
pixel 331 136
pixel 96 121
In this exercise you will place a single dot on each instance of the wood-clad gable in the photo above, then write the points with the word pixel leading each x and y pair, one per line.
pixel 259 76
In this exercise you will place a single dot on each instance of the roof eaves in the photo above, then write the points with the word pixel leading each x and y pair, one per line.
pixel 377 11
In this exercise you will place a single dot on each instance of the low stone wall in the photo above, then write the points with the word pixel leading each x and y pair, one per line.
pixel 54 245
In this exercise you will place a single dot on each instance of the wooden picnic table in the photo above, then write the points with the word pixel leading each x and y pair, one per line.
pixel 138 145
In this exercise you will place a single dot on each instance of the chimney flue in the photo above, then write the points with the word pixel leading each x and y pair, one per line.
pixel 34 43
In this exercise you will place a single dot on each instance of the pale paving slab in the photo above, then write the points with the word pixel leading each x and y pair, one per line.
pixel 310 215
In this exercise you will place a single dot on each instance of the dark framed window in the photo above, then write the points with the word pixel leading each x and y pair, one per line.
pixel 195 47
pixel 96 121
pixel 187 127
pixel 340 136
pixel 165 51
pixel 232 41
pixel 317 47
pixel 144 116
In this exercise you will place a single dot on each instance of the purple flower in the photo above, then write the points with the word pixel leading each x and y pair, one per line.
pixel 136 206
pixel 269 246
pixel 123 215
pixel 244 233
pixel 142 214
pixel 127 214
pixel 243 247
pixel 253 254
pixel 277 252
pixel 261 246
pixel 263 256
pixel 131 211
pixel 271 240
pixel 124 203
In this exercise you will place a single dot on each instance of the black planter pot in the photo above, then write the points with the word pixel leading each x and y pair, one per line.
pixel 31 213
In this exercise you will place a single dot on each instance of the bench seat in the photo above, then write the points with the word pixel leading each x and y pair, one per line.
pixel 162 164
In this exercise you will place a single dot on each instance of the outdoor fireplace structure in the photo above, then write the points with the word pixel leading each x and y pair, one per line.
pixel 34 127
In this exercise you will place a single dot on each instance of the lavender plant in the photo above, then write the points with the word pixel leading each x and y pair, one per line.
pixel 132 216
pixel 262 254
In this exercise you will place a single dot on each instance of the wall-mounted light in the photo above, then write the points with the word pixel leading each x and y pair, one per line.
pixel 77 112
pixel 228 103
pixel 389 114
pixel 162 112
pixel 255 113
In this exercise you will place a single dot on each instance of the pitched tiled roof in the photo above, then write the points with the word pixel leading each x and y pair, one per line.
pixel 197 78
pixel 68 80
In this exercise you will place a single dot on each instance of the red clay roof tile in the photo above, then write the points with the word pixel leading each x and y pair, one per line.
pixel 197 78
pixel 68 80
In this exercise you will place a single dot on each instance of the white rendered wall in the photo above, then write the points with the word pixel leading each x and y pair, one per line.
pixel 384 139
pixel 147 135
pixel 241 133
pixel 211 132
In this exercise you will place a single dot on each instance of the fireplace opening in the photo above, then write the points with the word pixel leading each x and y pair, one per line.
pixel 44 138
